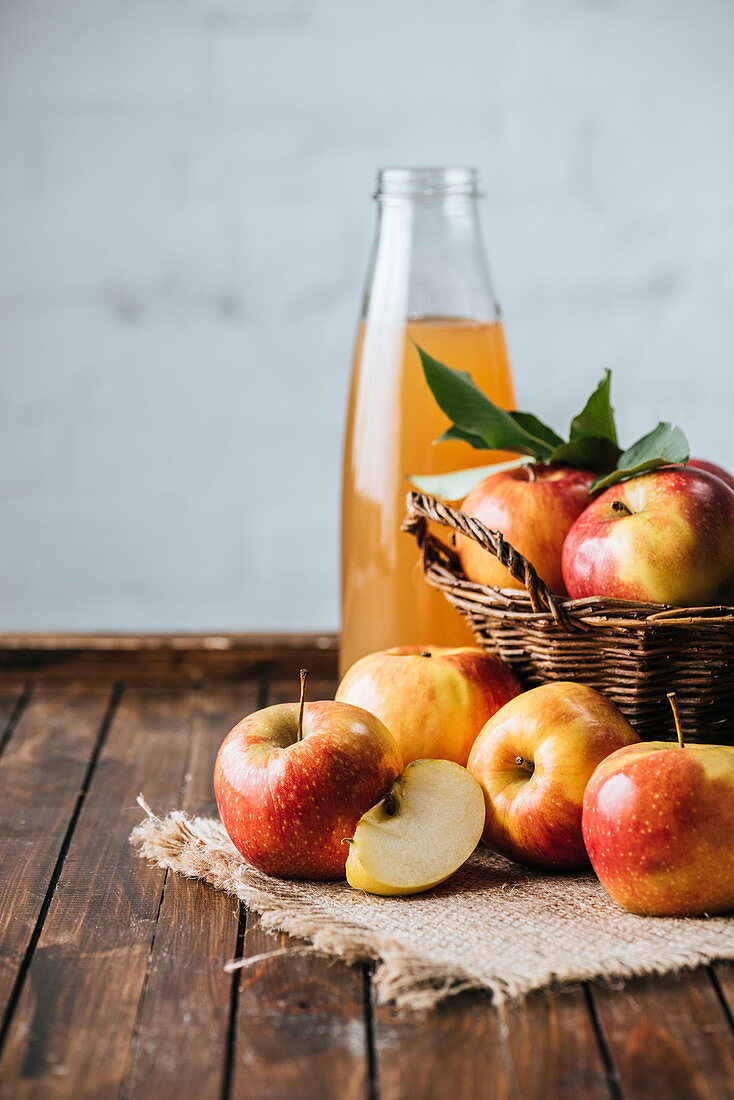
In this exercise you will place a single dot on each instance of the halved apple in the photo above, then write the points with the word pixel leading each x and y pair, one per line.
pixel 426 826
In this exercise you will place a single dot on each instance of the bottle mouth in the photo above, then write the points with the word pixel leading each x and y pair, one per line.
pixel 427 183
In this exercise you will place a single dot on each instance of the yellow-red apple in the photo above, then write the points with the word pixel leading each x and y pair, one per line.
pixel 533 761
pixel 658 823
pixel 433 700
pixel 665 537
pixel 534 507
pixel 290 787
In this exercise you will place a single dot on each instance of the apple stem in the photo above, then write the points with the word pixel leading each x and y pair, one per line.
pixel 527 765
pixel 304 677
pixel 532 473
pixel 676 718
pixel 621 507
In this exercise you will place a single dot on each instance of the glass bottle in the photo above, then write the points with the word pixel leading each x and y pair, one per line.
pixel 428 281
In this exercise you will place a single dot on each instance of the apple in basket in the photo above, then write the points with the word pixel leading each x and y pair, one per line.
pixel 664 537
pixel 534 507
pixel 712 468
pixel 433 700
pixel 658 823
pixel 428 824
pixel 534 759
pixel 292 781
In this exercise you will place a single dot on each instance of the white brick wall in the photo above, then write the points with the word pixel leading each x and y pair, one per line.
pixel 184 226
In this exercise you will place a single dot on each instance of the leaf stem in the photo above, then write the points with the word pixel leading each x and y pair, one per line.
pixel 390 804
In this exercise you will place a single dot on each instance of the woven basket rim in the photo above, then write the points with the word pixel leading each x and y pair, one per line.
pixel 535 602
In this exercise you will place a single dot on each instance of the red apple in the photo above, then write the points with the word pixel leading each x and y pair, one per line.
pixel 533 761
pixel 712 468
pixel 534 506
pixel 658 824
pixel 288 803
pixel 665 537
pixel 433 700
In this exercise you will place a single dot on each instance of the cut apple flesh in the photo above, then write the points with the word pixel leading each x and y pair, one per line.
pixel 427 825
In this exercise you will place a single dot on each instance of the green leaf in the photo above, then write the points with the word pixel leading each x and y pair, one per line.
pixel 473 413
pixel 664 445
pixel 588 453
pixel 666 441
pixel 596 419
pixel 527 422
pixel 536 428
pixel 456 484
pixel 464 437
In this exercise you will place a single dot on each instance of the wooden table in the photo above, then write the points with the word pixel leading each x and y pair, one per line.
pixel 111 978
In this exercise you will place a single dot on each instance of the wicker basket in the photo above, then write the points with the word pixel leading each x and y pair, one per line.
pixel 634 653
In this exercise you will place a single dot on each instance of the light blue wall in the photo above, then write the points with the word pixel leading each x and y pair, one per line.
pixel 184 226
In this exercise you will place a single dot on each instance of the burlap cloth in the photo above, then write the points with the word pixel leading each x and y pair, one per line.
pixel 493 926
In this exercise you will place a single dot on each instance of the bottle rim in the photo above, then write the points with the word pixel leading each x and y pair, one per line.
pixel 427 183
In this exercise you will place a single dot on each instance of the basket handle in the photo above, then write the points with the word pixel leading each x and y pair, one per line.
pixel 421 507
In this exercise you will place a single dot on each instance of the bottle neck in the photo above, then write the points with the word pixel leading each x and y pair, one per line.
pixel 428 260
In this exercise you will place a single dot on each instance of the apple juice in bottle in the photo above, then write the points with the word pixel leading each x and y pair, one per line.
pixel 428 283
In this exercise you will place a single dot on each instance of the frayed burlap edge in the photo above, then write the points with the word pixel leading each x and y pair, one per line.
pixel 200 848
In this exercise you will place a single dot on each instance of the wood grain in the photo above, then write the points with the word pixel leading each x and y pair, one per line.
pixel 668 1037
pixel 14 696
pixel 165 658
pixel 455 1050
pixel 73 1026
pixel 41 774
pixel 724 975
pixel 544 1047
pixel 188 992
pixel 554 1049
pixel 300 1026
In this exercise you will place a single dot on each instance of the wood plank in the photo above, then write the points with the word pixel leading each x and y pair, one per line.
pixel 300 1025
pixel 300 1028
pixel 669 1037
pixel 165 658
pixel 545 1046
pixel 724 975
pixel 14 697
pixel 42 770
pixel 188 992
pixel 72 1029
pixel 456 1049
pixel 554 1049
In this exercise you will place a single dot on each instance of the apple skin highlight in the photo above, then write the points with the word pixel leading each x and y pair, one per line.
pixel 712 468
pixel 287 805
pixel 658 822
pixel 433 699
pixel 665 537
pixel 562 731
